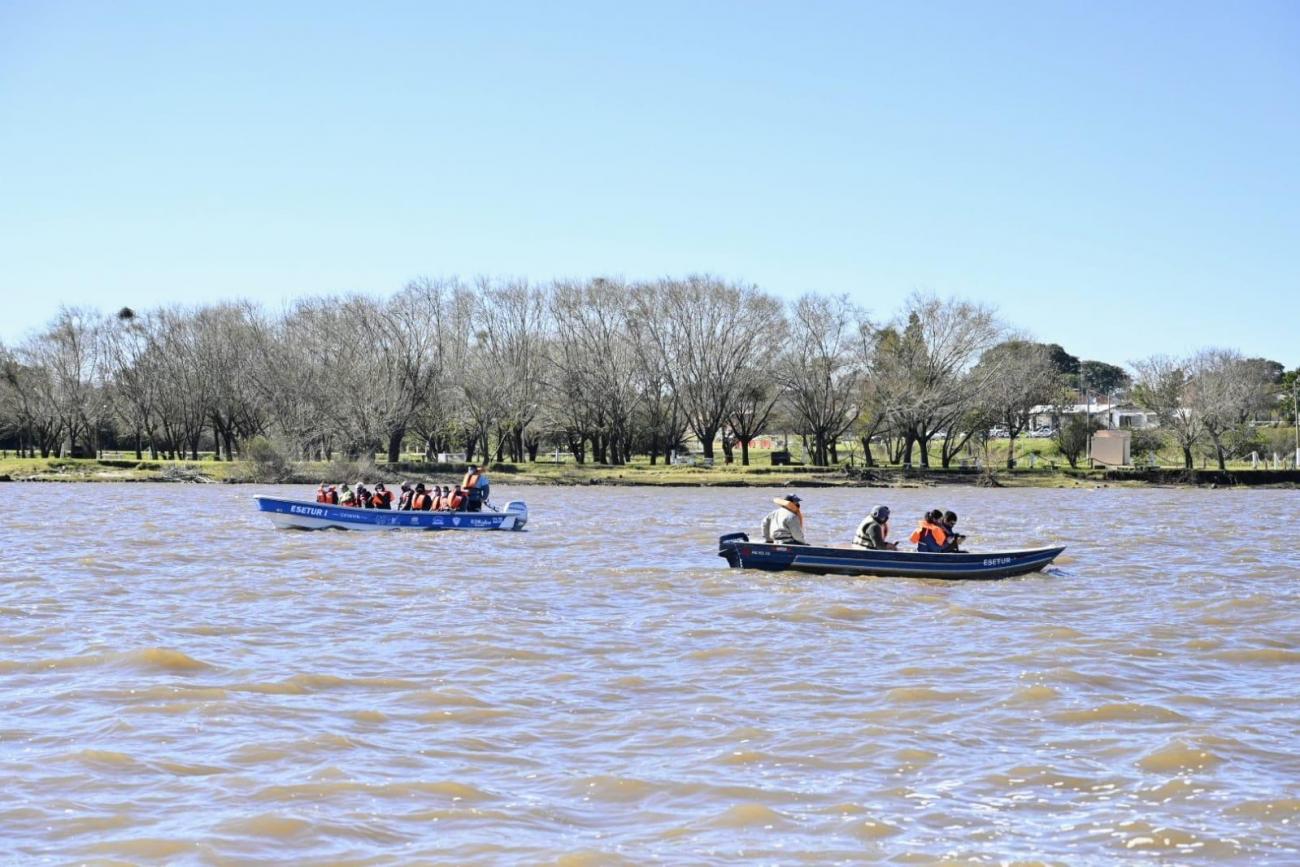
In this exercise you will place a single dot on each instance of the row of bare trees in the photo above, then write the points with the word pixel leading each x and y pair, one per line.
pixel 599 368
pixel 1213 397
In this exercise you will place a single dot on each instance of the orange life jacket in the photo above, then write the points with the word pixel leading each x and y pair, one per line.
pixel 332 497
pixel 421 502
pixel 381 500
pixel 322 495
pixel 939 534
pixel 456 500
pixel 470 482
pixel 438 502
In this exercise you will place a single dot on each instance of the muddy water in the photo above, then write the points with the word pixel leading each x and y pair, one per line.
pixel 181 683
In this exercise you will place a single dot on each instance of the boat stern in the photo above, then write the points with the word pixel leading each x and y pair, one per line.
pixel 727 548
pixel 520 511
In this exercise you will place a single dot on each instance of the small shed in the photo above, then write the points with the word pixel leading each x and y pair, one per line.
pixel 1111 448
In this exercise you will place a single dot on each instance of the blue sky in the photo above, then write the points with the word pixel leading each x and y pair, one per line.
pixel 1119 178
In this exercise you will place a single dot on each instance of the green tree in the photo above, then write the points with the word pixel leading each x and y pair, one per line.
pixel 1072 437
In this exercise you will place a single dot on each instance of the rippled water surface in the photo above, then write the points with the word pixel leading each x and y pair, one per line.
pixel 182 683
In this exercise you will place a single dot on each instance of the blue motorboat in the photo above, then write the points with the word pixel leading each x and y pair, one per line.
pixel 741 553
pixel 306 515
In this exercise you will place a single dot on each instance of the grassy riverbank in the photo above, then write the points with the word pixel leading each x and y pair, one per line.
pixel 638 473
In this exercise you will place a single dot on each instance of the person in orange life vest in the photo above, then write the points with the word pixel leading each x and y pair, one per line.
pixel 332 496
pixel 436 494
pixel 404 501
pixel 382 498
pixel 363 496
pixel 421 501
pixel 784 526
pixel 930 536
pixel 456 500
pixel 476 488
pixel 323 493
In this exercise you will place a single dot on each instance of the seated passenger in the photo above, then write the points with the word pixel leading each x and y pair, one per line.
pixel 363 496
pixel 873 532
pixel 930 536
pixel 476 488
pixel 332 496
pixel 784 526
pixel 382 498
pixel 404 501
pixel 323 493
pixel 421 501
pixel 346 496
pixel 954 538
pixel 455 501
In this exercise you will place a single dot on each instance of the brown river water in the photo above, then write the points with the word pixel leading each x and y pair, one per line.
pixel 181 683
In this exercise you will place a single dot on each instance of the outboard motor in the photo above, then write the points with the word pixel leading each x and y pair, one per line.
pixel 519 510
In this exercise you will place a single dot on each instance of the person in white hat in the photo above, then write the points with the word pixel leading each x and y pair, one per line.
pixel 784 526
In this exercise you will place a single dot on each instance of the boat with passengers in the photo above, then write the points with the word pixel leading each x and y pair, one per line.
pixel 741 553
pixel 309 515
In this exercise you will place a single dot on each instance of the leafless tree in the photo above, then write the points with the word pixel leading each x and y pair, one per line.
pixel 924 356
pixel 1011 379
pixel 133 354
pixel 821 369
pixel 1162 386
pixel 594 364
pixel 708 334
pixel 504 384
pixel 70 353
pixel 1227 392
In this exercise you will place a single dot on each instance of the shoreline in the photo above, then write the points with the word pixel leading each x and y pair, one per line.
pixel 43 470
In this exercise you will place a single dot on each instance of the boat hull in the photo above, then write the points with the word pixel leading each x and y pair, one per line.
pixel 305 515
pixel 740 553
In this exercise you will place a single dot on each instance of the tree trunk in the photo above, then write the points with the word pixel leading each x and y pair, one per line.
pixel 908 441
pixel 867 458
pixel 744 453
pixel 1188 463
pixel 706 440
pixel 1011 451
pixel 395 438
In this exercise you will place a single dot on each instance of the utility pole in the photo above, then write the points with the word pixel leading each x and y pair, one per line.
pixel 1295 401
pixel 1087 419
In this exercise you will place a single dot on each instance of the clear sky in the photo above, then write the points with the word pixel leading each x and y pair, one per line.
pixel 1121 178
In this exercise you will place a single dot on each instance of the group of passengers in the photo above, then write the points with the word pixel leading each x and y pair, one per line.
pixel 471 495
pixel 934 534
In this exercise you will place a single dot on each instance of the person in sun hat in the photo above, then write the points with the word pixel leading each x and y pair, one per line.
pixel 784 525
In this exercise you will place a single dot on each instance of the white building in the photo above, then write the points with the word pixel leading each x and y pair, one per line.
pixel 1124 416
